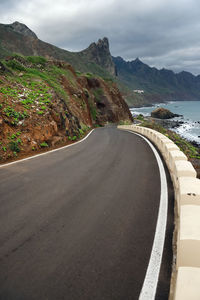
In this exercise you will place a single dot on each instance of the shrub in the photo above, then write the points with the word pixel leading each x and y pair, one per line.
pixel 37 60
pixel 89 75
pixel 15 65
pixel 40 112
pixel 140 117
pixel 13 145
pixel 81 132
pixel 43 145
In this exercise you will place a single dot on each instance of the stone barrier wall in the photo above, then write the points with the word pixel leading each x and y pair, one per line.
pixel 187 213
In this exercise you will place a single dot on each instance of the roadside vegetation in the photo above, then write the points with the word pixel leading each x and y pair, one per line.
pixel 191 150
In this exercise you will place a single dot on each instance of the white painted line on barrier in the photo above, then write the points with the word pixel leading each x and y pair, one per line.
pixel 37 155
pixel 150 283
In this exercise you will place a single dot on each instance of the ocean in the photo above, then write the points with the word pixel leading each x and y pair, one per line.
pixel 190 110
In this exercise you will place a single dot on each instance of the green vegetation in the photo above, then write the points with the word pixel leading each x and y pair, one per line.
pixel 89 75
pixel 34 73
pixel 15 142
pixel 93 110
pixel 126 122
pixel 81 132
pixel 190 150
pixel 44 145
pixel 15 65
pixel 14 146
pixel 140 117
pixel 84 127
pixel 40 112
pixel 15 115
pixel 37 60
pixel 98 93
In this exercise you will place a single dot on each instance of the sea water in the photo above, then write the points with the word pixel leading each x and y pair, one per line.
pixel 190 111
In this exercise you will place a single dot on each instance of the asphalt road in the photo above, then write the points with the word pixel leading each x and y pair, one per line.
pixel 79 223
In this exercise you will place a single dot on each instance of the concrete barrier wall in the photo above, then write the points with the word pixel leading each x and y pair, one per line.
pixel 187 197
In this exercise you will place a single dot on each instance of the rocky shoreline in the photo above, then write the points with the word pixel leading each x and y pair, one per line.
pixel 173 125
pixel 167 127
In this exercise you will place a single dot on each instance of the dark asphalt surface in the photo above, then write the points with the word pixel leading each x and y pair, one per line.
pixel 79 223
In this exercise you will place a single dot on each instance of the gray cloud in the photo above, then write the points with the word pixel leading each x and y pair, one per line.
pixel 163 33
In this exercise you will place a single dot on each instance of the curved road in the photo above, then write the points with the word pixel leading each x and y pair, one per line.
pixel 79 223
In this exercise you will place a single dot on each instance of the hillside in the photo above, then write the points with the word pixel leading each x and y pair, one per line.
pixel 45 103
pixel 18 38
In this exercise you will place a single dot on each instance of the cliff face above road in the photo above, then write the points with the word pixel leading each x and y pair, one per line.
pixel 44 103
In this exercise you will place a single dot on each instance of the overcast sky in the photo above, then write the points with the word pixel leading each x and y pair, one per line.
pixel 162 33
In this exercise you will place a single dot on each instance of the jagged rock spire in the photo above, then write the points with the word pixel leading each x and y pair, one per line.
pixel 100 53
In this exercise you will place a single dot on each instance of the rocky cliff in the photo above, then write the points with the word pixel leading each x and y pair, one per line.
pixel 100 54
pixel 45 103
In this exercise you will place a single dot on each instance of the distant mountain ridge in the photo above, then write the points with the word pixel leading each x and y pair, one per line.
pixel 158 85
pixel 166 83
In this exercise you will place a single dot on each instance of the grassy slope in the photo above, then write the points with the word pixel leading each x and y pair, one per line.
pixel 30 93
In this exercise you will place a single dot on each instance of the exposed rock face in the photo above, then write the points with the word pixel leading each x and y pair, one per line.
pixel 36 111
pixel 100 54
pixel 23 29
pixel 109 103
pixel 163 113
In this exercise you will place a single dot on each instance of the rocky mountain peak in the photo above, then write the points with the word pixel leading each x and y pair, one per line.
pixel 103 44
pixel 100 53
pixel 23 29
pixel 137 61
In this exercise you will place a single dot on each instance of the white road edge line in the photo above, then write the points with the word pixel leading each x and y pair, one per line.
pixel 150 283
pixel 45 153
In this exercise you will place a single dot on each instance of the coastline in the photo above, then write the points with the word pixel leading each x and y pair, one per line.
pixel 177 126
pixel 190 148
pixel 187 125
